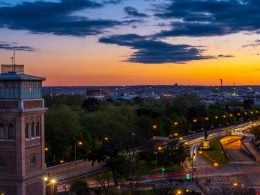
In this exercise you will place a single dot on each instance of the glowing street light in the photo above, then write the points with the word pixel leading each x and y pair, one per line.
pixel 45 178
pixel 50 181
pixel 159 148
pixel 215 164
pixel 235 184
pixel 154 126
pixel 79 143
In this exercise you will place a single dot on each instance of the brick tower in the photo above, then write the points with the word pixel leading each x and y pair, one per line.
pixel 21 132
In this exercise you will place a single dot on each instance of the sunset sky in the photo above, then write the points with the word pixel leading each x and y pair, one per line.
pixel 132 42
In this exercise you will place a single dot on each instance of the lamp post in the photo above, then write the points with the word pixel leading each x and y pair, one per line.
pixel 46 149
pixel 75 149
pixel 153 127
pixel 50 181
pixel 194 122
pixel 156 156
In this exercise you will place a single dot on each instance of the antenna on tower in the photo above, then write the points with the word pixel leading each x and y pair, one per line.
pixel 12 58
pixel 13 61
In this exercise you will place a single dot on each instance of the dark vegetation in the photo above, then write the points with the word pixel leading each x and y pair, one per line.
pixel 117 133
pixel 128 124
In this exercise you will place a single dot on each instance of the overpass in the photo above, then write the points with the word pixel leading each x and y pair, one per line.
pixel 65 172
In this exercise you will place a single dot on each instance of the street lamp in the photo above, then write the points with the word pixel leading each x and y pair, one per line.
pixel 153 127
pixel 215 164
pixel 156 155
pixel 50 181
pixel 79 143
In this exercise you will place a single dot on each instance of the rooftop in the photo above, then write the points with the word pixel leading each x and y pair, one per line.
pixel 15 72
pixel 14 76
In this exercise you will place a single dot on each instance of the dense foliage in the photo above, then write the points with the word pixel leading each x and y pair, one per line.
pixel 73 118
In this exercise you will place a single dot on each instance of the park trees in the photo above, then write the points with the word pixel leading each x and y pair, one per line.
pixel 175 152
pixel 63 129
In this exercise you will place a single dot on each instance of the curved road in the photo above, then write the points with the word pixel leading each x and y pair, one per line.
pixel 232 147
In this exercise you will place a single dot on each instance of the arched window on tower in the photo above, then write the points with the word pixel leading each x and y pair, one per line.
pixel 27 134
pixel 32 131
pixel 11 132
pixel 2 132
pixel 37 129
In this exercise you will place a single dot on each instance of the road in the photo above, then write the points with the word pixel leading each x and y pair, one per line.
pixel 232 148
pixel 246 170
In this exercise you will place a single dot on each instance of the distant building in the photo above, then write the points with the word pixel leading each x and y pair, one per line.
pixel 97 93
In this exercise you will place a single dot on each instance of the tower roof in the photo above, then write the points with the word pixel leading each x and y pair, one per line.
pixel 14 76
pixel 15 72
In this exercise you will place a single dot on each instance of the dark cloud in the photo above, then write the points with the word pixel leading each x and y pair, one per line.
pixel 149 51
pixel 133 12
pixel 55 17
pixel 255 44
pixel 113 1
pixel 225 56
pixel 13 45
pixel 210 17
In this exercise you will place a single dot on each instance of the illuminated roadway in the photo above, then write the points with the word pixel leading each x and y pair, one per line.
pixel 232 147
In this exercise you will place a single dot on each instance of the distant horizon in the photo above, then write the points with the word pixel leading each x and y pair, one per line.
pixel 151 85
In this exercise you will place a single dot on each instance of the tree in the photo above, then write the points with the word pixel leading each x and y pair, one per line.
pixel 182 103
pixel 91 104
pixel 62 130
pixel 117 153
pixel 110 120
pixel 79 186
pixel 174 153
pixel 248 104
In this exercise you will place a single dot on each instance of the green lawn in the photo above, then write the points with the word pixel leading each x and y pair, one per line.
pixel 215 154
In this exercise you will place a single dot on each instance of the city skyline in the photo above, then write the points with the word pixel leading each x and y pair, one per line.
pixel 123 42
